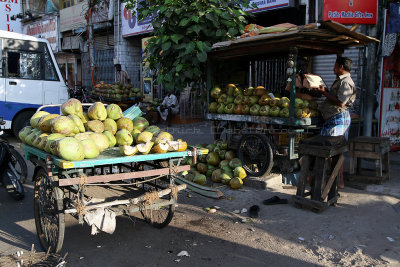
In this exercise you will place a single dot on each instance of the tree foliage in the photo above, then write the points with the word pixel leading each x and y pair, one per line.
pixel 184 31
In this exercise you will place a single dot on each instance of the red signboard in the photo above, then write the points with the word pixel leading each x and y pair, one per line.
pixel 351 11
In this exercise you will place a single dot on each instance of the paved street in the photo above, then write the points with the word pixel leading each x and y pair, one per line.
pixel 358 231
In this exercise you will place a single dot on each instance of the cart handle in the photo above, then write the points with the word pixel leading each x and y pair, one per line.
pixel 59 105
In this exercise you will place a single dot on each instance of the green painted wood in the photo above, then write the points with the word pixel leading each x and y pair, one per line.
pixel 262 119
pixel 107 157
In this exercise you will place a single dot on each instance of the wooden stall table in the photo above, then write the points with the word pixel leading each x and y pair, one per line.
pixel 376 148
pixel 322 160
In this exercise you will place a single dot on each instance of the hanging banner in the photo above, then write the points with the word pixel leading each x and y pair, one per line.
pixel 265 5
pixel 46 28
pixel 351 11
pixel 130 24
pixel 8 9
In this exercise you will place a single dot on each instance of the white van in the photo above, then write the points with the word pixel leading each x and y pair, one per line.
pixel 29 78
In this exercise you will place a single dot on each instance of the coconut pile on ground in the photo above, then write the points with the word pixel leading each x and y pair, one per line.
pixel 220 165
pixel 258 102
pixel 77 135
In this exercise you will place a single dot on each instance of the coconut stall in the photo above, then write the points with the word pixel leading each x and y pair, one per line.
pixel 100 164
pixel 246 78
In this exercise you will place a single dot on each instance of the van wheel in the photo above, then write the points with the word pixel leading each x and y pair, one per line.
pixel 21 120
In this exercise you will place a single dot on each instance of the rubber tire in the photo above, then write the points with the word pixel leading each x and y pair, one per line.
pixel 266 169
pixel 21 161
pixel 168 219
pixel 17 192
pixel 21 120
pixel 41 174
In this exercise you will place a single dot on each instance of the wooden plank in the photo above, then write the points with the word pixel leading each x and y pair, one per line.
pixel 332 177
pixel 301 183
pixel 365 155
pixel 320 152
pixel 367 147
pixel 123 176
pixel 320 173
pixel 387 164
pixel 131 201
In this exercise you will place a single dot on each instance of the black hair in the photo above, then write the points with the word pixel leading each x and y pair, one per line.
pixel 117 65
pixel 345 62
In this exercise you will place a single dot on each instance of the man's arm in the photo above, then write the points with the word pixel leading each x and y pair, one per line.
pixel 331 97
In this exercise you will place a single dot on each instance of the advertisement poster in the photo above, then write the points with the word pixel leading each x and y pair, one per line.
pixel 147 84
pixel 147 89
pixel 8 9
pixel 265 5
pixel 130 24
pixel 351 11
pixel 390 116
pixel 46 28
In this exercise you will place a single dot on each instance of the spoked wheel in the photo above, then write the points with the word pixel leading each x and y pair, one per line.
pixel 160 216
pixel 256 154
pixel 19 164
pixel 48 210
pixel 12 184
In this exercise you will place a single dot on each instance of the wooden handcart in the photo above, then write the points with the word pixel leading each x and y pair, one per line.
pixel 139 183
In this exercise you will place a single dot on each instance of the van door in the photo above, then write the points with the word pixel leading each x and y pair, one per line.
pixel 24 78
pixel 54 89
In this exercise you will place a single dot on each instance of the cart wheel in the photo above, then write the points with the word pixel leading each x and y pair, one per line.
pixel 48 210
pixel 256 154
pixel 162 216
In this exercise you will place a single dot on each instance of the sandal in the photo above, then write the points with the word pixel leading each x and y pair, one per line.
pixel 275 200
pixel 253 211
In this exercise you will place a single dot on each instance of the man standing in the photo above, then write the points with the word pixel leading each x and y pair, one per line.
pixel 121 75
pixel 334 109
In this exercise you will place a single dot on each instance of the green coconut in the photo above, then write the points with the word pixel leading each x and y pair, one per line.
pixel 72 107
pixel 110 125
pixel 200 179
pixel 111 138
pixel 50 138
pixel 95 126
pixel 124 137
pixel 70 149
pixel 44 123
pixel 216 175
pixel 78 122
pixel 114 112
pixel 24 133
pixel 239 172
pixel 90 149
pixel 63 125
pixel 36 117
pixel 125 123
pixel 101 141
pixel 140 123
pixel 97 111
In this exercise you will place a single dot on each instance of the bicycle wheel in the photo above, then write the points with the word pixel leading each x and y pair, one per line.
pixel 12 184
pixel 48 210
pixel 256 154
pixel 19 164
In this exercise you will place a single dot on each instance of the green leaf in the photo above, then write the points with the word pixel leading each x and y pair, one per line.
pixel 163 9
pixel 184 22
pixel 195 19
pixel 232 32
pixel 166 46
pixel 188 74
pixel 189 48
pixel 202 56
pixel 196 28
pixel 176 37
pixel 179 67
pixel 220 33
pixel 199 45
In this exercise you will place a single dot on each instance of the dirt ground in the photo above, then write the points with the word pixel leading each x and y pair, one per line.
pixel 362 230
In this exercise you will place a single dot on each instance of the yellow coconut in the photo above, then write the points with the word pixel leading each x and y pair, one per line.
pixel 144 137
pixel 145 148
pixel 128 150
pixel 160 148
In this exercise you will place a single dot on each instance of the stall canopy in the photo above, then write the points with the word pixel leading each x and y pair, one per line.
pixel 327 37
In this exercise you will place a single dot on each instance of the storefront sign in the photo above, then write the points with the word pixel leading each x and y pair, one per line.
pixel 265 5
pixel 46 29
pixel 74 17
pixel 130 24
pixel 351 11
pixel 9 8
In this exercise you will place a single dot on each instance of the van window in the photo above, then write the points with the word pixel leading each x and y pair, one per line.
pixel 25 65
pixel 49 69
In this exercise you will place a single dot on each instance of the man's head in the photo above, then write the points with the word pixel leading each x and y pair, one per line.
pixel 342 65
pixel 118 67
